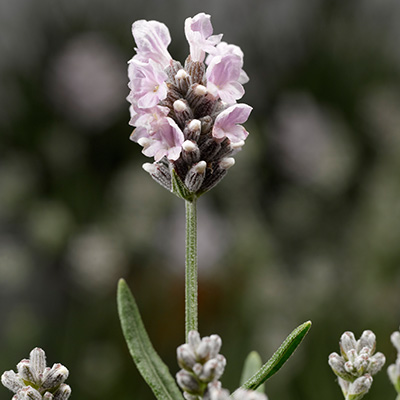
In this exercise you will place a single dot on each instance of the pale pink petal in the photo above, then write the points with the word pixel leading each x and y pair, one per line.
pixel 224 48
pixel 222 78
pixel 147 83
pixel 162 139
pixel 198 31
pixel 152 39
pixel 227 123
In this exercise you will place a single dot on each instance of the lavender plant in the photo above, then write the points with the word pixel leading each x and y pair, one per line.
pixel 187 118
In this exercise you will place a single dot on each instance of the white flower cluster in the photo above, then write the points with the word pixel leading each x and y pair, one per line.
pixel 394 369
pixel 200 363
pixel 357 364
pixel 35 381
pixel 202 366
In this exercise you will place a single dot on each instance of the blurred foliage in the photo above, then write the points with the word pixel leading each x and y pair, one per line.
pixel 305 226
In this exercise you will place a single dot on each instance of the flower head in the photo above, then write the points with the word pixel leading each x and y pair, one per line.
pixel 356 364
pixel 186 116
pixel 202 366
pixel 35 381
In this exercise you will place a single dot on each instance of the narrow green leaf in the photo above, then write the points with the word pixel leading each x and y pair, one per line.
pixel 273 365
pixel 179 188
pixel 148 362
pixel 251 365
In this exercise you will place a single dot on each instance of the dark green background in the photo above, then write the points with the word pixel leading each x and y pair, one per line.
pixel 304 226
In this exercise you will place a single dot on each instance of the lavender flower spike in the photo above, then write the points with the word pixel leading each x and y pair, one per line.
pixel 35 381
pixel 356 364
pixel 186 116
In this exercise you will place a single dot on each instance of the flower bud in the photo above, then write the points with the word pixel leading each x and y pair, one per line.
pixel 227 163
pixel 200 100
pixel 215 345
pixel 25 372
pixel 188 382
pixel 206 125
pixel 159 172
pixel 213 369
pixel 347 343
pixel 182 79
pixel 192 130
pixel 195 176
pixel 376 363
pixel 29 393
pixel 338 366
pixel 359 387
pixel 195 69
pixel 48 396
pixel 182 111
pixel 63 392
pixel 367 339
pixel 190 152
pixel 37 359
pixel 237 146
pixel 12 381
pixel 55 376
pixel 186 357
pixel 225 149
pixel 194 339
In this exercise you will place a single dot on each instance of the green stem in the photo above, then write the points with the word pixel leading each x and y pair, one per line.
pixel 191 268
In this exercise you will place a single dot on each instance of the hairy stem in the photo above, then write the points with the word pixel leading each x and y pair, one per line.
pixel 191 319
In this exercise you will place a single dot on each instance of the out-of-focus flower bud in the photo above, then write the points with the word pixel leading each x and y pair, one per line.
pixel 36 382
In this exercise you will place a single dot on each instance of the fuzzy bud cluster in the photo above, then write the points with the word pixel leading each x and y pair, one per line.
pixel 187 116
pixel 394 369
pixel 35 381
pixel 201 364
pixel 356 364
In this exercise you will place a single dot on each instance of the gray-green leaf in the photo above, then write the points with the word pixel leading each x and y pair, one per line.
pixel 148 362
pixel 278 358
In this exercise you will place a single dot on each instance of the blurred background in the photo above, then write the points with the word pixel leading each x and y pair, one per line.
pixel 305 226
